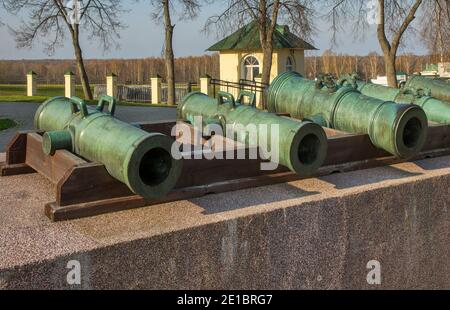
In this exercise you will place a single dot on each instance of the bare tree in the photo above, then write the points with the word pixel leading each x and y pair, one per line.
pixel 48 20
pixel 311 62
pixel 164 9
pixel 326 61
pixel 435 27
pixel 373 62
pixel 298 14
pixel 393 19
pixel 2 10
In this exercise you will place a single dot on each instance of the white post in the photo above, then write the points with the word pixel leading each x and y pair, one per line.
pixel 205 85
pixel 258 98
pixel 111 85
pixel 69 84
pixel 31 84
pixel 156 89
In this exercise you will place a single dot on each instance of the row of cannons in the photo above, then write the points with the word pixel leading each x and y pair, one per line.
pixel 316 121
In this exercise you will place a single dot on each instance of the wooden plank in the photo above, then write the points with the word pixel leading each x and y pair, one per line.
pixel 58 213
pixel 52 167
pixel 70 173
pixel 73 188
pixel 85 189
pixel 357 147
pixel 88 182
pixel 164 126
pixel 14 169
pixel 438 137
pixel 200 172
pixel 16 148
pixel 351 148
pixel 377 162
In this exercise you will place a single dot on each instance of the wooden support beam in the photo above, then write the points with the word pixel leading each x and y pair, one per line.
pixel 88 182
pixel 56 212
pixel 52 167
pixel 16 155
pixel 84 188
pixel 164 127
pixel 16 148
pixel 15 169
pixel 438 137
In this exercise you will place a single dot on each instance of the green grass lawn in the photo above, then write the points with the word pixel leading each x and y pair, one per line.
pixel 17 93
pixel 6 123
pixel 42 90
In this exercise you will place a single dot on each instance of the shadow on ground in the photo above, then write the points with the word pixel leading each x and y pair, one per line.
pixel 363 177
pixel 434 164
pixel 262 195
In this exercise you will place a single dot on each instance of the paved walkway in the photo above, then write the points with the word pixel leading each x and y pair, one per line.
pixel 23 114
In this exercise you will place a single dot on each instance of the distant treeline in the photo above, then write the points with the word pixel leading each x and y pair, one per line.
pixel 190 69
pixel 129 71
pixel 367 67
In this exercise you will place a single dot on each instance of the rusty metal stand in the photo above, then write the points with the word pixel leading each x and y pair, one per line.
pixel 85 188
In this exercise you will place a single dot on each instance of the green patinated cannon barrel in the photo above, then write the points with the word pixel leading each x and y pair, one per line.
pixel 438 88
pixel 302 145
pixel 400 129
pixel 135 157
pixel 436 110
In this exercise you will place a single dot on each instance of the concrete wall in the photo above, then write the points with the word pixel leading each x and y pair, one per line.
pixel 309 234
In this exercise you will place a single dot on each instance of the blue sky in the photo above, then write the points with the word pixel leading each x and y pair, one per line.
pixel 144 38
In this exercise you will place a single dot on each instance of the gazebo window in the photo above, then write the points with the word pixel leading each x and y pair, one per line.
pixel 289 64
pixel 251 68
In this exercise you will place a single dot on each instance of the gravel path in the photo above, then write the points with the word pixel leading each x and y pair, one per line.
pixel 23 114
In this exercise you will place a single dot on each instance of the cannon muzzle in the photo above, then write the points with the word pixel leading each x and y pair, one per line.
pixel 438 88
pixel 436 110
pixel 400 129
pixel 302 145
pixel 137 158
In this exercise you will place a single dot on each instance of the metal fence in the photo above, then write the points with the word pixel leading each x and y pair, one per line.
pixel 143 93
pixel 231 87
pixel 235 87
pixel 99 90
pixel 181 90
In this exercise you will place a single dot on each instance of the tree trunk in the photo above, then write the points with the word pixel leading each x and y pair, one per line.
pixel 267 64
pixel 440 36
pixel 391 72
pixel 267 68
pixel 266 42
pixel 390 49
pixel 80 64
pixel 168 54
